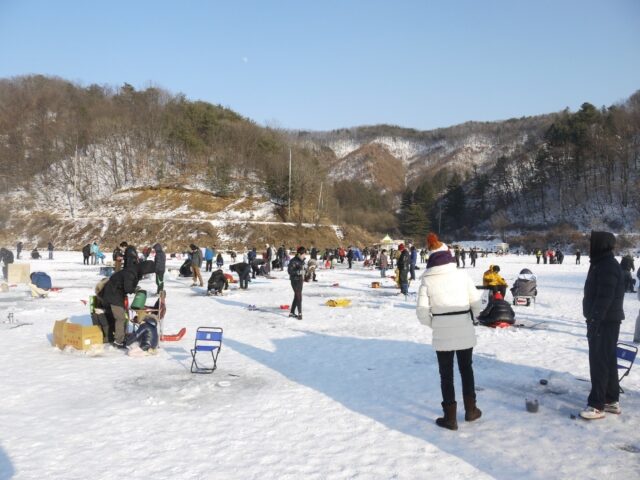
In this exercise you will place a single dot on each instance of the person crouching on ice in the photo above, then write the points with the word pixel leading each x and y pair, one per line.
pixel 146 335
pixel 447 299
pixel 217 282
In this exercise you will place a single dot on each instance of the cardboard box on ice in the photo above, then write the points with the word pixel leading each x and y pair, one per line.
pixel 19 273
pixel 78 336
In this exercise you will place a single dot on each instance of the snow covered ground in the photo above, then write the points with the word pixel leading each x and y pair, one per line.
pixel 345 393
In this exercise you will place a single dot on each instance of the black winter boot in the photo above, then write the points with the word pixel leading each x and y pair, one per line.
pixel 449 420
pixel 471 412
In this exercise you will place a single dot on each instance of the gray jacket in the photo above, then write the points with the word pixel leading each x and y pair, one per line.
pixel 196 258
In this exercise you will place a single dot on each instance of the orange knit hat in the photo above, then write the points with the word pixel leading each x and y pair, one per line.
pixel 433 242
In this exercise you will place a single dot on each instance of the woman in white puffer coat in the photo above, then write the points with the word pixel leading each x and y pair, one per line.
pixel 447 299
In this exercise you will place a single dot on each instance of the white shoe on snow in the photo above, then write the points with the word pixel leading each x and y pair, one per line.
pixel 591 413
pixel 613 407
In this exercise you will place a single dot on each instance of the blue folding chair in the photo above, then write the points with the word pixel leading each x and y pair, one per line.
pixel 626 355
pixel 208 340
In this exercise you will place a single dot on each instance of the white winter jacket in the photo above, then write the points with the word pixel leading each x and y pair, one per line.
pixel 447 289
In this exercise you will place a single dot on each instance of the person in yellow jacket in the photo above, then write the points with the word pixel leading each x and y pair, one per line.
pixel 493 279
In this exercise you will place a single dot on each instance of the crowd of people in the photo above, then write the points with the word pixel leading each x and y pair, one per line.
pixel 448 301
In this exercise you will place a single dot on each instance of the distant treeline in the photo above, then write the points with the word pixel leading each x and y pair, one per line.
pixel 583 171
pixel 70 143
pixel 68 140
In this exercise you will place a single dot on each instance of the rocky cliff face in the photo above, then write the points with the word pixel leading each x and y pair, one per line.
pixel 367 153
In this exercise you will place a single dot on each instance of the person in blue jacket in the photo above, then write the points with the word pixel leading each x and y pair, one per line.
pixel 413 260
pixel 208 257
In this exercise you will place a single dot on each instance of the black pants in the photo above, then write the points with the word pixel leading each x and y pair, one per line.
pixel 404 282
pixel 412 271
pixel 5 271
pixel 296 284
pixel 208 266
pixel 350 261
pixel 159 281
pixel 473 262
pixel 85 262
pixel 445 364
pixel 243 276
pixel 603 367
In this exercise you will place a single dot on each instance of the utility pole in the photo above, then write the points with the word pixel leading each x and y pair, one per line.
pixel 75 180
pixel 319 203
pixel 289 184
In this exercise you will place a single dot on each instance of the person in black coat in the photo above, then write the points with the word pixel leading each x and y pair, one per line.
pixel 217 282
pixel 628 266
pixel 118 256
pixel 18 250
pixel 497 311
pixel 296 276
pixel 121 284
pixel 50 249
pixel 160 261
pixel 280 257
pixel 403 269
pixel 6 257
pixel 602 307
pixel 130 256
pixel 350 257
pixel 243 270
pixel 86 254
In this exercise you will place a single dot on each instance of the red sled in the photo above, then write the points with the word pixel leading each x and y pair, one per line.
pixel 175 337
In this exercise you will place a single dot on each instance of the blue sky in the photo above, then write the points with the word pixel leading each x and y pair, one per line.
pixel 331 64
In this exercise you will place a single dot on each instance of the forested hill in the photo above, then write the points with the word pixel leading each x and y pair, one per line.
pixel 566 170
pixel 66 148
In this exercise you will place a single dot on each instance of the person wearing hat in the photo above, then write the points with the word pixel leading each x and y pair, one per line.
pixel 447 303
pixel 296 275
pixel 196 264
pixel 492 279
pixel 115 290
pixel 603 310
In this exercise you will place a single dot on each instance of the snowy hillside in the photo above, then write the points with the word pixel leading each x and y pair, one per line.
pixel 343 394
pixel 372 165
pixel 174 216
pixel 462 149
